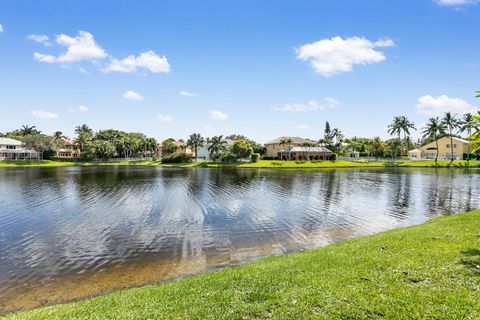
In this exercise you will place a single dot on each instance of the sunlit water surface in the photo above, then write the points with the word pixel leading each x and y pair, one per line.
pixel 69 233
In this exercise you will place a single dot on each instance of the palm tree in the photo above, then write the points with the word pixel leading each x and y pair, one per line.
pixel 451 123
pixel 434 129
pixel 401 124
pixel 376 147
pixel 286 141
pixel 218 145
pixel 58 136
pixel 466 125
pixel 195 141
pixel 28 130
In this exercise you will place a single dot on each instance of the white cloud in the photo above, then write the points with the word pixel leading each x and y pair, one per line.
pixel 80 109
pixel 456 2
pixel 311 105
pixel 303 126
pixel 437 106
pixel 44 115
pixel 166 118
pixel 79 48
pixel 188 94
pixel 148 60
pixel 336 55
pixel 218 115
pixel 132 95
pixel 40 38
pixel 1 28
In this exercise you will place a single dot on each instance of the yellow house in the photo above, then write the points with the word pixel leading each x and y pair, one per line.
pixel 274 148
pixel 429 151
pixel 70 149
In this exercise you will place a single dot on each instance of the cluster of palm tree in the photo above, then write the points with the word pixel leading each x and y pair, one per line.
pixel 448 125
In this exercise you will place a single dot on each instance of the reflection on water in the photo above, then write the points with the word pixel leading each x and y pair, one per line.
pixel 68 233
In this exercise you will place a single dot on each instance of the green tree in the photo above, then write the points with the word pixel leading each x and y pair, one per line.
pixel 433 130
pixel 41 143
pixel 218 145
pixel 241 149
pixel 58 136
pixel 27 130
pixel 169 147
pixel 376 147
pixel 84 136
pixel 451 123
pixel 399 125
pixel 196 141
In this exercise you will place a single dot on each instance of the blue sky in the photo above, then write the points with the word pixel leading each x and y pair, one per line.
pixel 259 68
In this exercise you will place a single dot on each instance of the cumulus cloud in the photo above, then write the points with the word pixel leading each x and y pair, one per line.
pixel 336 55
pixel 188 94
pixel 132 95
pixel 436 106
pixel 311 105
pixel 80 48
pixel 40 38
pixel 218 115
pixel 148 60
pixel 456 2
pixel 40 114
pixel 303 126
pixel 166 118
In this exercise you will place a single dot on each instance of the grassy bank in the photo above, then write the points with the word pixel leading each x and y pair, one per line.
pixel 427 271
pixel 259 164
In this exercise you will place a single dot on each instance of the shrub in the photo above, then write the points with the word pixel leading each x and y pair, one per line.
pixel 228 157
pixel 177 158
pixel 255 157
pixel 333 157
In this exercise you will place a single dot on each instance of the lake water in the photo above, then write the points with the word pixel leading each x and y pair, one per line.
pixel 70 233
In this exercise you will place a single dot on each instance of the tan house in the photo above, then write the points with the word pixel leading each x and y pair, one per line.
pixel 70 149
pixel 274 149
pixel 429 151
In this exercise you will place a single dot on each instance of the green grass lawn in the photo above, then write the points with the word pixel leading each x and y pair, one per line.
pixel 430 271
pixel 259 164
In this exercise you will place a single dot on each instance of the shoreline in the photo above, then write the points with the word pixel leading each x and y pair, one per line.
pixel 262 164
pixel 431 268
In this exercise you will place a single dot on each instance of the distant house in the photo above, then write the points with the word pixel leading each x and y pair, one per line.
pixel 70 149
pixel 181 147
pixel 429 151
pixel 308 153
pixel 11 149
pixel 204 154
pixel 274 149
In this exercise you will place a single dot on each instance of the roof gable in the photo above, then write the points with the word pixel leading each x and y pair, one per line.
pixel 10 142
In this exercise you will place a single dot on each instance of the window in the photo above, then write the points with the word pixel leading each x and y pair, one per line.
pixel 11 147
pixel 454 146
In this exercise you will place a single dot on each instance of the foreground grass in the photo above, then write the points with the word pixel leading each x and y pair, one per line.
pixel 259 164
pixel 428 271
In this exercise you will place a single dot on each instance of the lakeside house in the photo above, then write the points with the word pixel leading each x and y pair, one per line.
pixel 181 147
pixel 429 151
pixel 70 149
pixel 296 149
pixel 204 154
pixel 11 149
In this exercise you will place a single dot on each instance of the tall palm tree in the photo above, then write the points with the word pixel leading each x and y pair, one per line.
pixel 58 136
pixel 451 123
pixel 286 142
pixel 218 145
pixel 434 129
pixel 399 125
pixel 376 147
pixel 195 141
pixel 466 125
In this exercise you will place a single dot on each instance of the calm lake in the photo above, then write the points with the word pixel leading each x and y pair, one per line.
pixel 69 233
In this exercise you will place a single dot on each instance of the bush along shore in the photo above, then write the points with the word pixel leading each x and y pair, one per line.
pixel 429 271
pixel 259 164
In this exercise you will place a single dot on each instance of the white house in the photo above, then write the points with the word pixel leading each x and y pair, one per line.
pixel 11 149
